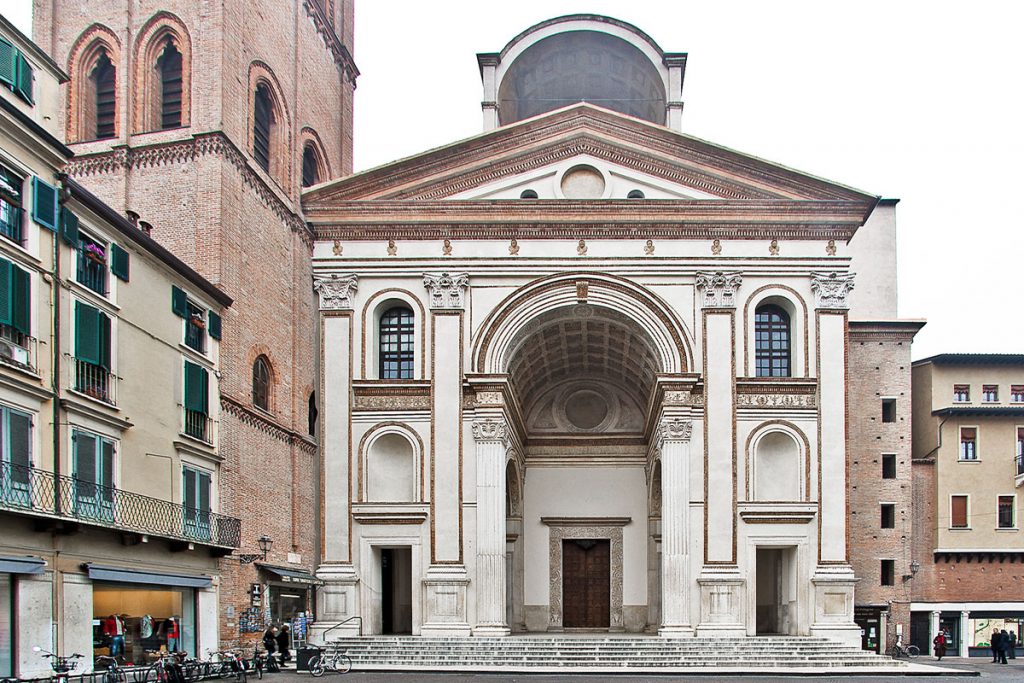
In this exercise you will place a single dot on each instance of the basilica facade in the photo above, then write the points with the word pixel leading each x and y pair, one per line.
pixel 584 372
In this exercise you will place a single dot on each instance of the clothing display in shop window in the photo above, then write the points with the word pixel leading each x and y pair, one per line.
pixel 146 626
pixel 173 631
pixel 113 627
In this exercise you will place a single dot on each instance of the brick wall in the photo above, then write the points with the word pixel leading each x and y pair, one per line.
pixel 879 358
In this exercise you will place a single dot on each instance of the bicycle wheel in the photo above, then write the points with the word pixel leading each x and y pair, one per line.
pixel 893 652
pixel 316 666
pixel 913 651
pixel 342 663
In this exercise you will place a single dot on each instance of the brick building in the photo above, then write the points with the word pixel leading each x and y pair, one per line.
pixel 206 119
pixel 968 469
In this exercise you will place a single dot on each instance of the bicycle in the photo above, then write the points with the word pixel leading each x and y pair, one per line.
pixel 62 666
pixel 113 673
pixel 339 662
pixel 229 665
pixel 897 650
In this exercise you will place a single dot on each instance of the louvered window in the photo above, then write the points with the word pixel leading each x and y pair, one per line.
pixel 104 78
pixel 261 383
pixel 169 67
pixel 263 119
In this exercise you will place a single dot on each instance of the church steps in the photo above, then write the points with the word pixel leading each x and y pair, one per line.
pixel 600 653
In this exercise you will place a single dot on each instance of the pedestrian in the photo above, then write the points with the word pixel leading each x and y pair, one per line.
pixel 1004 645
pixel 270 641
pixel 994 643
pixel 284 643
pixel 1013 645
pixel 940 645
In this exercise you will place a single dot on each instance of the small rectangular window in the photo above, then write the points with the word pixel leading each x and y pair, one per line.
pixel 968 443
pixel 11 185
pixel 888 466
pixel 1017 393
pixel 1005 512
pixel 990 393
pixel 888 410
pixel 888 516
pixel 888 572
pixel 958 512
pixel 961 393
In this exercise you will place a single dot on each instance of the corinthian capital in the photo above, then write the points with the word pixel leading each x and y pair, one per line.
pixel 719 288
pixel 447 290
pixel 673 429
pixel 490 431
pixel 831 289
pixel 336 291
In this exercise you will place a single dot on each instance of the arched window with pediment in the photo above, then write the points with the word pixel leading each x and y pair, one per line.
pixel 772 342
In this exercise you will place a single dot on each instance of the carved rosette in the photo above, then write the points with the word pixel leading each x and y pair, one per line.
pixel 719 288
pixel 673 429
pixel 336 291
pixel 490 431
pixel 831 289
pixel 447 290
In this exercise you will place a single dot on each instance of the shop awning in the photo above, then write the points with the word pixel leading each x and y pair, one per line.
pixel 21 564
pixel 100 572
pixel 289 575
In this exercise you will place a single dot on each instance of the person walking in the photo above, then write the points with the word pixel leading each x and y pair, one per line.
pixel 270 640
pixel 994 644
pixel 1004 644
pixel 939 643
pixel 1012 645
pixel 284 643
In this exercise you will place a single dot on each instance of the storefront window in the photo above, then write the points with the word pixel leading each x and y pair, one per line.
pixel 138 622
pixel 981 630
pixel 6 626
pixel 287 602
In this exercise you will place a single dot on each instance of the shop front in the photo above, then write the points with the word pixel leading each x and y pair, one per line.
pixel 289 596
pixel 872 630
pixel 138 615
pixel 969 626
pixel 11 567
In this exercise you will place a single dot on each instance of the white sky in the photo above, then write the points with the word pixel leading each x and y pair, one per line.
pixel 910 99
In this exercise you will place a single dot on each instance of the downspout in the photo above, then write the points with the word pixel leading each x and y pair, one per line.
pixel 929 453
pixel 55 387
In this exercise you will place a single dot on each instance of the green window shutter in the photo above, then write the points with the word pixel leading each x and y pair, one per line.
pixel 21 301
pixel 104 340
pixel 119 262
pixel 7 293
pixel 196 388
pixel 69 226
pixel 188 495
pixel 23 78
pixel 8 63
pixel 88 346
pixel 213 326
pixel 44 203
pixel 203 481
pixel 179 302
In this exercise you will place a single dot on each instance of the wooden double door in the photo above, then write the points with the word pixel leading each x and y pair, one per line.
pixel 586 583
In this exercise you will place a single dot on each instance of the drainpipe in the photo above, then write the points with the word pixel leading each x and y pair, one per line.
pixel 57 594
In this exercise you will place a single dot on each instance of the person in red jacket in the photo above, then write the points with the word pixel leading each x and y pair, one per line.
pixel 113 627
pixel 173 634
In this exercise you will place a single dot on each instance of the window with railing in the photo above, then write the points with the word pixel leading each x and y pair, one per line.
pixel 15 457
pixel 91 363
pixel 93 475
pixel 961 393
pixel 195 498
pixel 198 424
pixel 92 264
pixel 1020 451
pixel 11 197
pixel 17 346
pixel 195 328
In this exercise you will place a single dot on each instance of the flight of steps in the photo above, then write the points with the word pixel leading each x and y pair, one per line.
pixel 538 654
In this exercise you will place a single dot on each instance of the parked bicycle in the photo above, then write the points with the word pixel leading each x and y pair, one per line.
pixel 228 665
pixel 897 650
pixel 113 672
pixel 336 662
pixel 62 666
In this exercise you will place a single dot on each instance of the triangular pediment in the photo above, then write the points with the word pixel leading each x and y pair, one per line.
pixel 538 153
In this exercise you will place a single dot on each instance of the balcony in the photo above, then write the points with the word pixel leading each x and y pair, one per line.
pixel 199 426
pixel 92 267
pixel 17 349
pixel 1019 469
pixel 38 493
pixel 94 381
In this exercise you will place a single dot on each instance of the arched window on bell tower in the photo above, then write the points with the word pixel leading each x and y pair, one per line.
pixel 168 67
pixel 103 107
pixel 262 126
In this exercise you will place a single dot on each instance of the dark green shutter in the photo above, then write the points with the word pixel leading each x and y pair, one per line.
pixel 8 63
pixel 69 226
pixel 104 340
pixel 21 301
pixel 214 325
pixel 88 345
pixel 196 383
pixel 23 74
pixel 7 295
pixel 188 496
pixel 119 262
pixel 44 203
pixel 179 302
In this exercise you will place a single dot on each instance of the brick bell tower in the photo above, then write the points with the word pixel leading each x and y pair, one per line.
pixel 207 118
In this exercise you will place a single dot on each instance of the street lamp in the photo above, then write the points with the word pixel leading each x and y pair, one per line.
pixel 265 543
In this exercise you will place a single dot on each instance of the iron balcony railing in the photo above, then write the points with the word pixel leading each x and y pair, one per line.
pixel 17 348
pixel 199 426
pixel 95 381
pixel 92 268
pixel 40 493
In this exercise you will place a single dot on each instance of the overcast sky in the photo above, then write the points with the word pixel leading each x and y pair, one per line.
pixel 916 100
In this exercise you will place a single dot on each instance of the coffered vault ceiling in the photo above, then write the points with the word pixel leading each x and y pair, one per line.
pixel 583 342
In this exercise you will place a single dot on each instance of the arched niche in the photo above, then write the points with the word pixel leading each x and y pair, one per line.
pixel 390 468
pixel 778 473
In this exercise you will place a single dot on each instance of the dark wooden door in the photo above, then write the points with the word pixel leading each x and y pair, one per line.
pixel 586 584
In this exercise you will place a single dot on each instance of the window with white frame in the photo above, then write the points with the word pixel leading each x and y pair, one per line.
pixel 1017 393
pixel 93 475
pixel 961 393
pixel 15 457
pixel 11 197
pixel 1005 516
pixel 990 393
pixel 968 443
pixel 958 512
pixel 196 490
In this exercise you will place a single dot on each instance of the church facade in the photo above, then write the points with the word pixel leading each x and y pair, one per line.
pixel 586 372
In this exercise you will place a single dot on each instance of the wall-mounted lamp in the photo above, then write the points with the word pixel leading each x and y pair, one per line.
pixel 915 567
pixel 265 543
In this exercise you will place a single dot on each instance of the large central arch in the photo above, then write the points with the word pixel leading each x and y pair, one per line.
pixel 496 342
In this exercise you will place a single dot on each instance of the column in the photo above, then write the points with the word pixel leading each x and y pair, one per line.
pixel 491 438
pixel 722 587
pixel 447 581
pixel 337 597
pixel 833 578
pixel 965 642
pixel 933 630
pixel 674 443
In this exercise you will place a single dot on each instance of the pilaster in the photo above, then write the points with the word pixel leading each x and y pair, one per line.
pixel 491 438
pixel 673 439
